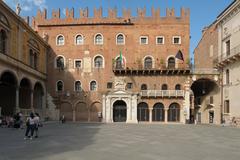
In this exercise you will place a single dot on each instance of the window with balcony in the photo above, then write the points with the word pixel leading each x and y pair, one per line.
pixel 178 87
pixel 98 39
pixel 148 63
pixel 60 40
pixel 164 87
pixel 171 63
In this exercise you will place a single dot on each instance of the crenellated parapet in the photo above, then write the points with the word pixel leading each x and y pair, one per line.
pixel 112 18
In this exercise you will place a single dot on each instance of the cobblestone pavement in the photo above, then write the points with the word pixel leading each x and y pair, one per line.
pixel 76 141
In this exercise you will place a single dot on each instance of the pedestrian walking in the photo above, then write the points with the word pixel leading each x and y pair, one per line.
pixel 37 122
pixel 30 126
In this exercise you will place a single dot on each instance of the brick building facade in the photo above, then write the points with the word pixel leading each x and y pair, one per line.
pixel 122 68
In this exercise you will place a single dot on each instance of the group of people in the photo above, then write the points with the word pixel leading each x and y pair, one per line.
pixel 32 124
pixel 15 121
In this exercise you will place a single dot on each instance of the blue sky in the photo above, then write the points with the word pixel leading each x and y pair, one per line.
pixel 202 12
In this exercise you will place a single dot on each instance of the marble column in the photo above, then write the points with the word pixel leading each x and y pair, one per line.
pixel 166 115
pixel 17 100
pixel 150 115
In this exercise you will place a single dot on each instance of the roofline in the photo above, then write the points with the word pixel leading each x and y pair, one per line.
pixel 229 6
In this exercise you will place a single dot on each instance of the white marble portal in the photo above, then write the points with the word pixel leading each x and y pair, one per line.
pixel 128 97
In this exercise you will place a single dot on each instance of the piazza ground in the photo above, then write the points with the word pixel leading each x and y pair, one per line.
pixel 76 141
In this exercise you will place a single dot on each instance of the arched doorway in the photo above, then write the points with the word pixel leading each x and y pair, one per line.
pixel 8 84
pixel 38 97
pixel 142 112
pixel 66 110
pixel 82 112
pixel 94 109
pixel 119 111
pixel 174 113
pixel 25 94
pixel 158 112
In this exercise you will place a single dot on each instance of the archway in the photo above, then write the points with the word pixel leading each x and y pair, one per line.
pixel 142 112
pixel 94 109
pixel 119 111
pixel 174 112
pixel 158 112
pixel 8 84
pixel 25 94
pixel 66 110
pixel 82 113
pixel 205 93
pixel 38 94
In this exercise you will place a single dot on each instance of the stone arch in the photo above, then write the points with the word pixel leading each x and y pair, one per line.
pixel 158 113
pixel 58 43
pixel 119 111
pixel 174 112
pixel 120 34
pixel 25 91
pixel 142 111
pixel 103 61
pixel 8 87
pixel 95 107
pixel 152 59
pixel 82 111
pixel 66 110
pixel 38 93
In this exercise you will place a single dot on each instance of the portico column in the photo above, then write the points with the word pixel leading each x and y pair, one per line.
pixel 17 100
pixel 74 114
pixel 166 115
pixel 31 103
pixel 150 115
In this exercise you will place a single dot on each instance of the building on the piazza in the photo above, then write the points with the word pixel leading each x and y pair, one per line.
pixel 219 49
pixel 126 69
pixel 23 71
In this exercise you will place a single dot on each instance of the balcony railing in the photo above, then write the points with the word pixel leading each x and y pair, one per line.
pixel 162 93
pixel 229 54
pixel 139 68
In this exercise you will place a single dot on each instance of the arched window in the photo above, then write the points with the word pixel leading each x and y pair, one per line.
pixel 158 112
pixel 93 86
pixel 59 86
pixel 143 87
pixel 120 39
pixel 142 112
pixel 3 42
pixel 60 62
pixel 148 63
pixel 164 87
pixel 227 76
pixel 171 63
pixel 60 40
pixel 79 40
pixel 174 112
pixel 98 39
pixel 178 87
pixel 78 86
pixel 98 62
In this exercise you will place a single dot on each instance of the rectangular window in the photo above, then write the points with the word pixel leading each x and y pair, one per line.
pixel 129 85
pixel 160 40
pixel 143 40
pixel 226 106
pixel 109 85
pixel 176 40
pixel 228 47
pixel 78 64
